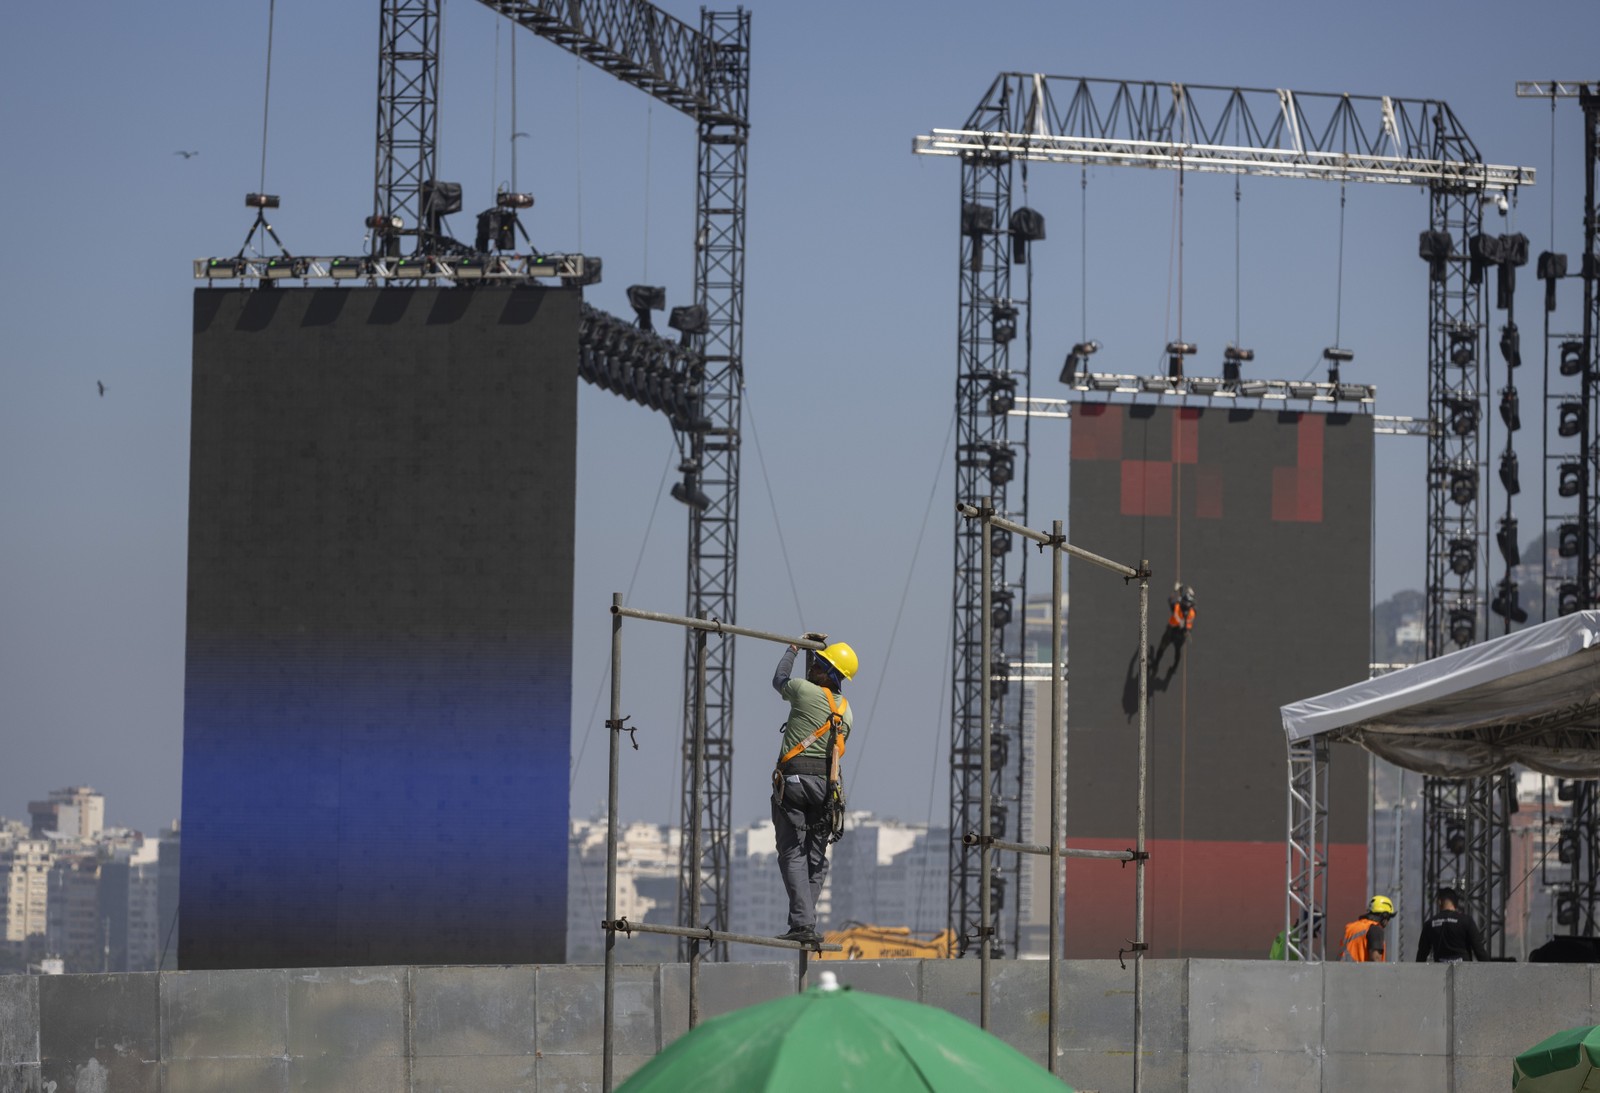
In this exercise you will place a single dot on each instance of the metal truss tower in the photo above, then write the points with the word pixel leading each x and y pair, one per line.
pixel 1572 416
pixel 705 74
pixel 1233 130
pixel 986 462
pixel 408 115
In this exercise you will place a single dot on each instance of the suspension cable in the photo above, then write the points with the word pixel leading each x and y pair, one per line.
pixel 1338 293
pixel 266 95
pixel 772 501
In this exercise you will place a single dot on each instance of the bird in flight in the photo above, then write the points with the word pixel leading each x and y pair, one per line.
pixel 186 155
pixel 102 387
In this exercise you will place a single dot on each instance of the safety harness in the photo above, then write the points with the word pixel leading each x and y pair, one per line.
pixel 836 744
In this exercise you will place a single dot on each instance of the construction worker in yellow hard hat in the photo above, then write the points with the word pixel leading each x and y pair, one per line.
pixel 1363 938
pixel 807 799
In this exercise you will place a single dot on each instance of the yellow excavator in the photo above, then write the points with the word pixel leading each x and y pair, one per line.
pixel 863 942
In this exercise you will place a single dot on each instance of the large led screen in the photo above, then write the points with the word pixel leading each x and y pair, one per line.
pixel 377 686
pixel 1267 516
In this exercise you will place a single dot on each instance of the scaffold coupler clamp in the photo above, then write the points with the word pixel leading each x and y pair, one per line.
pixel 1140 574
pixel 619 926
pixel 975 838
pixel 1134 947
pixel 623 726
pixel 1134 856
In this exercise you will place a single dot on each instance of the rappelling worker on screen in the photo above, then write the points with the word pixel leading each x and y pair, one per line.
pixel 807 796
pixel 1180 622
pixel 1363 938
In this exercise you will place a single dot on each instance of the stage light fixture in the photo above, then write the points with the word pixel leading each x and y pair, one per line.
pixel 999 541
pixel 644 299
pixel 1077 358
pixel 1567 909
pixel 1463 556
pixel 1176 351
pixel 1506 539
pixel 1506 605
pixel 513 201
pixel 1158 384
pixel 1004 324
pixel 1455 839
pixel 261 201
pixel 476 267
pixel 1567 599
pixel 689 321
pixel 1463 626
pixel 1302 389
pixel 284 267
pixel 1463 416
pixel 223 269
pixel 1000 607
pixel 1204 385
pixel 976 219
pixel 1509 407
pixel 688 491
pixel 1232 355
pixel 1511 345
pixel 1567 846
pixel 1462 356
pixel 416 265
pixel 1001 464
pixel 1253 388
pixel 1027 226
pixel 1569 479
pixel 1354 392
pixel 345 269
pixel 1338 355
pixel 1571 358
pixel 1569 540
pixel 1569 418
pixel 1463 487
pixel 1566 789
pixel 1104 381
pixel 1510 480
pixel 1002 395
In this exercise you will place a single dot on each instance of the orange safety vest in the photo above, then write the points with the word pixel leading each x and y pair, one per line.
pixel 1181 618
pixel 1355 942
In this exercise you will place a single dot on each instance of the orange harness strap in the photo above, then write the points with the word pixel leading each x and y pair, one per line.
pixel 835 717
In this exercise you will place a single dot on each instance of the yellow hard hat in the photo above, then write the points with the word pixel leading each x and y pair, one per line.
pixel 842 657
pixel 1381 905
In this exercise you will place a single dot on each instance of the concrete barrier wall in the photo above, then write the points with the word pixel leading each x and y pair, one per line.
pixel 1210 1025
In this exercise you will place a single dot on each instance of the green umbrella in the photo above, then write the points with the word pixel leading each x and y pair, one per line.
pixel 1565 1063
pixel 840 1039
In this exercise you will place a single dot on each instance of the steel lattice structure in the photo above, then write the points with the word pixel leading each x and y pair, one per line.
pixel 705 73
pixel 1232 130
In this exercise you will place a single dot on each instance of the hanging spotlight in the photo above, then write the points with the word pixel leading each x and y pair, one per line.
pixel 1463 356
pixel 1204 385
pixel 1506 538
pixel 1567 846
pixel 1000 607
pixel 1569 419
pixel 1463 487
pixel 1077 358
pixel 1463 626
pixel 644 299
pixel 222 269
pixel 1231 358
pixel 1506 605
pixel 1571 358
pixel 1001 459
pixel 1302 389
pixel 1176 351
pixel 1509 479
pixel 1567 599
pixel 1455 839
pixel 506 200
pixel 344 269
pixel 976 219
pixel 999 541
pixel 283 267
pixel 688 491
pixel 1002 395
pixel 1569 540
pixel 1027 226
pixel 1569 480
pixel 1253 388
pixel 261 201
pixel 1566 789
pixel 1567 909
pixel 1160 384
pixel 1463 556
pixel 1005 323
pixel 1463 416
pixel 689 321
pixel 1511 345
pixel 1509 405
pixel 1104 381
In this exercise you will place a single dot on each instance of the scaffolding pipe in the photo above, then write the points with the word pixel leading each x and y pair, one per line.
pixel 1040 849
pixel 623 926
pixel 717 626
pixel 985 731
pixel 615 725
pixel 1058 789
pixel 698 759
pixel 1139 845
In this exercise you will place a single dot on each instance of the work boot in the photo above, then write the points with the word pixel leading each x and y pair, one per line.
pixel 803 934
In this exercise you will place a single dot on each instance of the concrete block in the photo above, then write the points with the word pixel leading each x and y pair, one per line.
pixel 1097 996
pixel 1019 1006
pixel 473 1073
pixel 572 1010
pixel 1112 1071
pixel 723 989
pixel 1241 1071
pixel 102 1029
pixel 349 1074
pixel 894 978
pixel 19 1020
pixel 1504 1009
pixel 215 1014
pixel 1389 1009
pixel 474 1011
pixel 1341 1071
pixel 953 986
pixel 1481 1073
pixel 20 1078
pixel 206 1075
pixel 1254 1006
pixel 347 1013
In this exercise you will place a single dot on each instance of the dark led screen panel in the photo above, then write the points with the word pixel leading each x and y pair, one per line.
pixel 1268 517
pixel 378 673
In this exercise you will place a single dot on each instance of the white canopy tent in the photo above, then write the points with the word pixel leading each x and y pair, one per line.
pixel 1531 697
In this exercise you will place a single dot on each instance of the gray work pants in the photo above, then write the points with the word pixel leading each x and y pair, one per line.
pixel 801 824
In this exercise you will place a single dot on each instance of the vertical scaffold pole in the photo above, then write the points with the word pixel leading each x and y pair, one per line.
pixel 1139 846
pixel 1058 793
pixel 615 725
pixel 694 849
pixel 985 827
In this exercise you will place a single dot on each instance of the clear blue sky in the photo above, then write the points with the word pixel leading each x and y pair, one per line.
pixel 850 334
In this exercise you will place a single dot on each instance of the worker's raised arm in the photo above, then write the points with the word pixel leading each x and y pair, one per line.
pixel 785 666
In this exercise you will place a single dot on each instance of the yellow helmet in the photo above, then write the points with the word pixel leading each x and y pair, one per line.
pixel 1381 905
pixel 842 657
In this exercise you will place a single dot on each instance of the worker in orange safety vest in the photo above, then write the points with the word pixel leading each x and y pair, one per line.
pixel 1363 938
